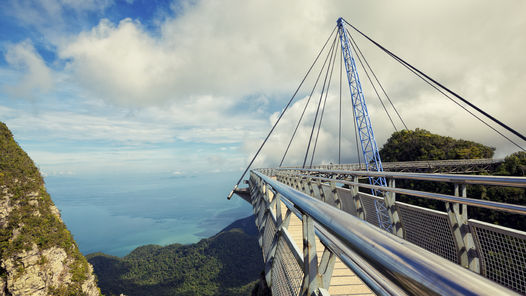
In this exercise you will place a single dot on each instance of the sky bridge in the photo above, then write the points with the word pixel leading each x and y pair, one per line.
pixel 386 228
pixel 319 234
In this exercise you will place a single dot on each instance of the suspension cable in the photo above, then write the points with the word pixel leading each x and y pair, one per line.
pixel 319 103
pixel 376 78
pixel 460 105
pixel 281 115
pixel 306 105
pixel 324 104
pixel 400 60
pixel 340 117
pixel 371 82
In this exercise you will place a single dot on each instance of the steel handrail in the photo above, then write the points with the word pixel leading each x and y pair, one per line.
pixel 412 268
pixel 487 204
pixel 461 179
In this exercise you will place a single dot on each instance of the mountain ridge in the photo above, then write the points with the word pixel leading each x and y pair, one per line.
pixel 38 255
pixel 208 267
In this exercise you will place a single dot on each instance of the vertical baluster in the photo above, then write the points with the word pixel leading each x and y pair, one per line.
pixel 390 202
pixel 458 219
pixel 357 202
pixel 310 258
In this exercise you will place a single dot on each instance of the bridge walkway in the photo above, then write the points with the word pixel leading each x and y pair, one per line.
pixel 343 281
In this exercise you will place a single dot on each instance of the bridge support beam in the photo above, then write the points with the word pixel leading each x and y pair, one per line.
pixel 390 203
pixel 458 219
pixel 357 202
pixel 311 281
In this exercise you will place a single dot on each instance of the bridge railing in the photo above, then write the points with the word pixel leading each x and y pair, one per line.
pixel 496 252
pixel 388 264
pixel 429 166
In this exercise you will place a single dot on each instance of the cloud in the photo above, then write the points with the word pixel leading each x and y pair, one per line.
pixel 121 63
pixel 200 52
pixel 213 72
pixel 135 128
pixel 36 77
pixel 236 49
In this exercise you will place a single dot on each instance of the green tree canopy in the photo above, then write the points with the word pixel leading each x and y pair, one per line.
pixel 420 144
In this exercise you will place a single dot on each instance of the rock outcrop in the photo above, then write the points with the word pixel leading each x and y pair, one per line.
pixel 38 255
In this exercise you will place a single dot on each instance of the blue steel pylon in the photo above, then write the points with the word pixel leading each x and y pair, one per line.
pixel 370 151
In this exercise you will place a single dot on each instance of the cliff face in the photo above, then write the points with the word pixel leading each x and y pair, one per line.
pixel 38 255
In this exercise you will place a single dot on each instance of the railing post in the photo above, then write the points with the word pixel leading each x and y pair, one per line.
pixel 357 202
pixel 311 281
pixel 322 196
pixel 458 218
pixel 304 186
pixel 390 202
pixel 337 200
pixel 309 186
pixel 328 259
pixel 279 217
pixel 296 183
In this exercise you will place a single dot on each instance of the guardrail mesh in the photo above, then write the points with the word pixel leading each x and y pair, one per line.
pixel 428 229
pixel 370 208
pixel 501 250
pixel 287 275
pixel 268 236
pixel 503 254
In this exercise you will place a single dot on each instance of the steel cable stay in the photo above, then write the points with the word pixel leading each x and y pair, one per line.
pixel 465 109
pixel 460 105
pixel 371 82
pixel 360 54
pixel 323 109
pixel 448 93
pixel 280 116
pixel 280 195
pixel 306 105
pixel 318 109
pixel 439 85
pixel 340 115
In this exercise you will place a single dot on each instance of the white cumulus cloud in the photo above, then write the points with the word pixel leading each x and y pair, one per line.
pixel 35 77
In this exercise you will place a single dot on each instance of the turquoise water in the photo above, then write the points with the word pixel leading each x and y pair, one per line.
pixel 115 214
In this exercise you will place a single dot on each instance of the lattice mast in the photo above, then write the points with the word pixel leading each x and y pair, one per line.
pixel 371 154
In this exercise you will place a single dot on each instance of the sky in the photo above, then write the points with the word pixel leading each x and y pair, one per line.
pixel 95 87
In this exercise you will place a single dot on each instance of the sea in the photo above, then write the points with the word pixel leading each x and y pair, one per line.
pixel 115 214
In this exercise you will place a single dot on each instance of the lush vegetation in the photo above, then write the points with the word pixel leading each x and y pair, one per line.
pixel 32 217
pixel 423 145
pixel 228 263
pixel 407 145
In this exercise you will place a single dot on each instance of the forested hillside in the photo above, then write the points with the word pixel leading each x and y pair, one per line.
pixel 228 263
pixel 408 145
pixel 422 145
pixel 38 255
